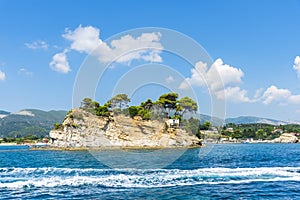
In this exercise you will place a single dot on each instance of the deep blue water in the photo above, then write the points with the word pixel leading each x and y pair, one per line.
pixel 237 171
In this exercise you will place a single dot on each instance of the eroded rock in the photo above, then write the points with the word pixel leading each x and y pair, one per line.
pixel 83 129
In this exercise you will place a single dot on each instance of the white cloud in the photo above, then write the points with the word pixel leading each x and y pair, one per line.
pixel 230 76
pixel 198 78
pixel 60 63
pixel 221 79
pixel 281 96
pixel 25 72
pixel 87 40
pixel 39 44
pixel 169 79
pixel 84 39
pixel 2 76
pixel 234 94
pixel 224 81
pixel 297 65
pixel 294 99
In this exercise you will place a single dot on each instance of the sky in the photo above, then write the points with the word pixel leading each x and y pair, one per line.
pixel 253 47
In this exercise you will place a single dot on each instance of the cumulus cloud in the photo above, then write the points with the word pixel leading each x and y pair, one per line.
pixel 60 63
pixel 222 80
pixel 39 44
pixel 25 72
pixel 84 39
pixel 281 96
pixel 234 94
pixel 2 76
pixel 87 40
pixel 230 76
pixel 198 77
pixel 169 79
pixel 297 65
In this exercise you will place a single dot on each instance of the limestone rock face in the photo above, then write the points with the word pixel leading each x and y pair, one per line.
pixel 83 129
pixel 286 138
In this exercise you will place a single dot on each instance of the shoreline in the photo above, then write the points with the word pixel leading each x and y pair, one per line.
pixel 14 144
pixel 49 148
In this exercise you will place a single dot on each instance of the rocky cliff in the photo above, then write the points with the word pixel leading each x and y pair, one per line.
pixel 286 138
pixel 81 129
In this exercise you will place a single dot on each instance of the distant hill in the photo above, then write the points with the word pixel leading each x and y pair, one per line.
pixel 214 120
pixel 2 112
pixel 253 120
pixel 244 120
pixel 28 122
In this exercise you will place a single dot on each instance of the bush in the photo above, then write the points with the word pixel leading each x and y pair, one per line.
pixel 58 126
pixel 102 111
pixel 74 125
pixel 192 125
pixel 69 112
pixel 134 111
pixel 145 114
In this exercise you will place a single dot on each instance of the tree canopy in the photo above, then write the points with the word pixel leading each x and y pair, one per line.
pixel 167 106
pixel 120 100
pixel 168 101
pixel 147 105
pixel 188 104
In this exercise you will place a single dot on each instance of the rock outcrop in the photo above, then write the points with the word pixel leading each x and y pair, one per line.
pixel 81 129
pixel 286 138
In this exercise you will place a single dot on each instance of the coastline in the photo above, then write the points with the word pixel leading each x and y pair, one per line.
pixel 48 148
pixel 13 144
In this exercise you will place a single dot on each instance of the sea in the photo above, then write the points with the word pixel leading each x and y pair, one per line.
pixel 220 171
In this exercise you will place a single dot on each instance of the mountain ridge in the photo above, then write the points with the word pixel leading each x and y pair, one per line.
pixel 29 122
pixel 259 120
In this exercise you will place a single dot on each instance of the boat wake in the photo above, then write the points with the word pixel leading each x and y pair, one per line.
pixel 16 178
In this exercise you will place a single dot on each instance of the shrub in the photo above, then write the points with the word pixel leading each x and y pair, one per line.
pixel 134 110
pixel 58 126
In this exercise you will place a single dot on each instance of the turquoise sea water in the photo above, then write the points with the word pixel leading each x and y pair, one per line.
pixel 237 171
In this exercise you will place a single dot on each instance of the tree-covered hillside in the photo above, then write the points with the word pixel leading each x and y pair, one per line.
pixel 29 122
pixel 257 131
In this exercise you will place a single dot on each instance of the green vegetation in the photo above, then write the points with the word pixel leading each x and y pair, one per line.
pixel 257 131
pixel 120 100
pixel 38 124
pixel 94 107
pixel 58 126
pixel 167 106
pixel 169 102
pixel 187 105
pixel 192 125
pixel 205 126
pixel 21 140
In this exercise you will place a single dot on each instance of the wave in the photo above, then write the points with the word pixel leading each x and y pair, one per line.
pixel 15 178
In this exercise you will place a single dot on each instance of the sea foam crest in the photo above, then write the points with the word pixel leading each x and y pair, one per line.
pixel 15 178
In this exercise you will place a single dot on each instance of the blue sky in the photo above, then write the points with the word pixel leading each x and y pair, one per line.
pixel 254 43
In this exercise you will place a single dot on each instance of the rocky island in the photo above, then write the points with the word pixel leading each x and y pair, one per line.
pixel 150 125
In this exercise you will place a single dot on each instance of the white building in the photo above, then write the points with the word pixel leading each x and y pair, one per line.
pixel 172 122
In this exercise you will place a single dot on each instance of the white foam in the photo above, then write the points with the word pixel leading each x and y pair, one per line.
pixel 15 178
